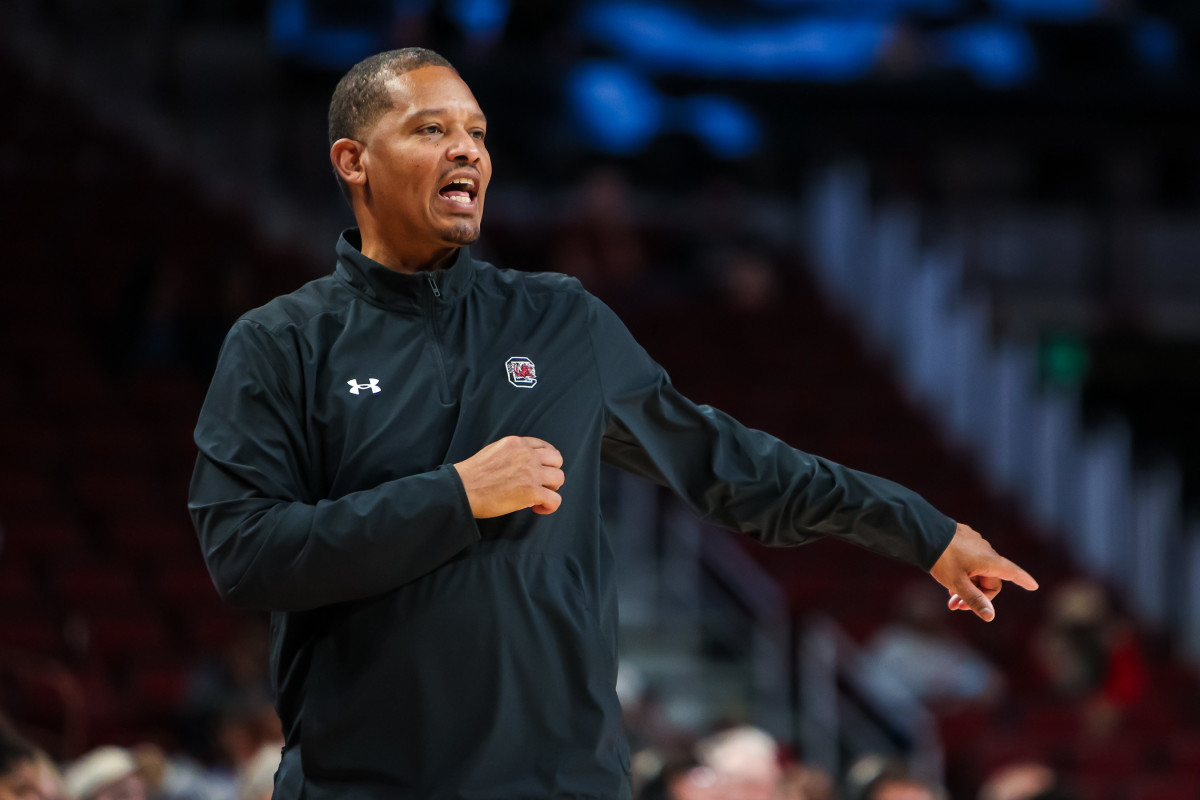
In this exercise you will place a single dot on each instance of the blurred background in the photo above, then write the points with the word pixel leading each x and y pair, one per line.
pixel 950 242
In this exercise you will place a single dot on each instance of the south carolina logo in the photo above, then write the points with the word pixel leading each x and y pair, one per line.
pixel 521 372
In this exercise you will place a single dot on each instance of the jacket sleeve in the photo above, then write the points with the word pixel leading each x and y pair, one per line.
pixel 745 479
pixel 269 541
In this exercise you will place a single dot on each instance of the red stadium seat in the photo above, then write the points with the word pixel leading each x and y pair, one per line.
pixel 187 588
pixel 115 636
pixel 34 534
pixel 1115 760
pixel 161 537
pixel 108 493
pixel 90 586
pixel 30 632
pixel 159 689
pixel 1173 787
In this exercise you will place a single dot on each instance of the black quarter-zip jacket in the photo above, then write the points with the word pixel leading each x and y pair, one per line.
pixel 418 652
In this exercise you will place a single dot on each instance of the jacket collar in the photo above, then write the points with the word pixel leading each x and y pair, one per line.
pixel 388 287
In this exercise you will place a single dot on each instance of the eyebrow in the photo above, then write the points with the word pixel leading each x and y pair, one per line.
pixel 436 112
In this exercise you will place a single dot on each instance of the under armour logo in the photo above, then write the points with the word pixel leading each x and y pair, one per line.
pixel 372 384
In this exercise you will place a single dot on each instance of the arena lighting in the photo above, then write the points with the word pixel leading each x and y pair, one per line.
pixel 998 55
pixel 293 33
pixel 616 108
pixel 664 38
pixel 671 40
pixel 726 128
pixel 1049 10
pixel 1064 359
pixel 620 112
pixel 480 17
pixel 1156 44
pixel 883 9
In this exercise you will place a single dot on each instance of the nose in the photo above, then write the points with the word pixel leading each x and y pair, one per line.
pixel 464 147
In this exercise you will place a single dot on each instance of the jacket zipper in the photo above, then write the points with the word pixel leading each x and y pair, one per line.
pixel 436 296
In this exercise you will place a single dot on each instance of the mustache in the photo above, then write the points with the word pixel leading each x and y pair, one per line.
pixel 460 168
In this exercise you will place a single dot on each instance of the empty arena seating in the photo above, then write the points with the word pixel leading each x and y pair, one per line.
pixel 100 571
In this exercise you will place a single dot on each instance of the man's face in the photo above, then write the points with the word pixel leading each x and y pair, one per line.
pixel 426 164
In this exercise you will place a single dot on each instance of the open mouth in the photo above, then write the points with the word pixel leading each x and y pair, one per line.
pixel 460 190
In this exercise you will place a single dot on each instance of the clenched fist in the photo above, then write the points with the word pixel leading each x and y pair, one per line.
pixel 513 473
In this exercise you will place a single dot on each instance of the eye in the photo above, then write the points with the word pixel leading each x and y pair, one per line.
pixel 481 135
pixel 429 130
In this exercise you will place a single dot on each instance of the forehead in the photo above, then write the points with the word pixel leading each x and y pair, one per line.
pixel 431 88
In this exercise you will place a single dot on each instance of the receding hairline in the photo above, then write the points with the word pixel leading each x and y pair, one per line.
pixel 394 83
pixel 363 95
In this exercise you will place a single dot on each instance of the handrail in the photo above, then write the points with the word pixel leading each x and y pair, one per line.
pixel 842 712
pixel 692 569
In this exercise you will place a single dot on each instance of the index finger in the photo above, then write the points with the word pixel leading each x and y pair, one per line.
pixel 1008 571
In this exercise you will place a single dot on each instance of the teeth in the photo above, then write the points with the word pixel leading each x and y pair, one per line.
pixel 458 198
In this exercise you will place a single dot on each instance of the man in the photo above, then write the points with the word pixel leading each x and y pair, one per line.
pixel 401 462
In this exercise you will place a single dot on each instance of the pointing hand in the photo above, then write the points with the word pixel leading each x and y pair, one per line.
pixel 974 573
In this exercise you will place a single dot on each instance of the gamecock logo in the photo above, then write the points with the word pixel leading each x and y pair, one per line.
pixel 521 372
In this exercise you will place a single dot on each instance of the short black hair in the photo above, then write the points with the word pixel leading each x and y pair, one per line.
pixel 361 97
pixel 14 751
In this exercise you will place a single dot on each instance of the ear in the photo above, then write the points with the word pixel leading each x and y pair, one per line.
pixel 347 157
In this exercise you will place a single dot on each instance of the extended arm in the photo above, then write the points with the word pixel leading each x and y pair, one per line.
pixel 750 481
pixel 745 479
pixel 268 540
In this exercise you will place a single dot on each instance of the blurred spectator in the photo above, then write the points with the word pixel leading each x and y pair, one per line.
pixel 600 243
pixel 744 761
pixel 647 728
pixel 894 787
pixel 876 777
pixel 749 281
pixel 683 779
pixel 1071 646
pixel 49 779
pixel 169 778
pixel 1028 781
pixel 800 782
pixel 1087 652
pixel 25 772
pixel 920 654
pixel 244 728
pixel 106 773
pixel 256 778
pixel 222 688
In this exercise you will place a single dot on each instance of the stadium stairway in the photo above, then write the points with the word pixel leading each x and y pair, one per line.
pixel 799 370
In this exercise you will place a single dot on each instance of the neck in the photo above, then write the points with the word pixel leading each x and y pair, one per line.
pixel 382 250
pixel 397 262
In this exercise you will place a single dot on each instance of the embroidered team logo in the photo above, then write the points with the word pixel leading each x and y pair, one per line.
pixel 357 388
pixel 521 372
